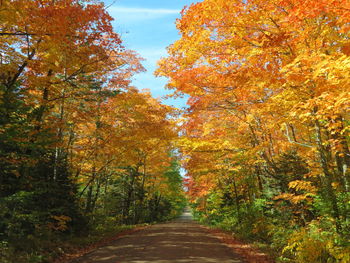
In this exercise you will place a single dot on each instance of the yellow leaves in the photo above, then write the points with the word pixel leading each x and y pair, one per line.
pixel 256 51
pixel 60 223
pixel 228 51
pixel 129 128
pixel 302 185
pixel 306 192
pixel 295 199
pixel 312 242
pixel 256 75
pixel 343 100
pixel 250 118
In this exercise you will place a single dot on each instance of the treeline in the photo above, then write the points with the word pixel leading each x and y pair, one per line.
pixel 80 149
pixel 266 136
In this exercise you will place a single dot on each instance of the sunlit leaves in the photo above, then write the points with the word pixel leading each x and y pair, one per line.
pixel 268 82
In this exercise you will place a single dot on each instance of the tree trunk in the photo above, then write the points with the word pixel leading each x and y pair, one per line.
pixel 324 159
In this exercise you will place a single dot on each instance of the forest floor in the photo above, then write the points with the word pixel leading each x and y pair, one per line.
pixel 179 241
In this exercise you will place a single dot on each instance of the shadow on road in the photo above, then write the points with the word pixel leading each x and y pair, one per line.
pixel 179 241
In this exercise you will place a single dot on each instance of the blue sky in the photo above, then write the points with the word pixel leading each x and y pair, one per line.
pixel 148 27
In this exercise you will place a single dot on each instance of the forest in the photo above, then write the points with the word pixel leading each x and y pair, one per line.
pixel 264 139
pixel 82 152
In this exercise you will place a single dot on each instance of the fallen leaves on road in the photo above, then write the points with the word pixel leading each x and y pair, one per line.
pixel 242 249
pixel 79 252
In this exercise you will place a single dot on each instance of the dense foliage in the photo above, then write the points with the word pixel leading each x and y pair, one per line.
pixel 80 149
pixel 266 136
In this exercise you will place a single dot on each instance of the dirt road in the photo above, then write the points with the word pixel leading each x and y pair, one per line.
pixel 179 241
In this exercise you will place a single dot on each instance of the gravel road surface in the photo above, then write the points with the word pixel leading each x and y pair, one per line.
pixel 178 241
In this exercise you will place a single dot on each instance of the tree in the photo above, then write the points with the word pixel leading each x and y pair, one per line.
pixel 265 79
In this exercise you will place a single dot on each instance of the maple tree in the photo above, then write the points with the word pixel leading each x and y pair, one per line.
pixel 268 117
pixel 133 138
pixel 264 141
pixel 80 148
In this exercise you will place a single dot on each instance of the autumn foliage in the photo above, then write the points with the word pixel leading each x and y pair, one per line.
pixel 80 148
pixel 266 136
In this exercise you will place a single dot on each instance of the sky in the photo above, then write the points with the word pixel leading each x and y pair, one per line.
pixel 148 27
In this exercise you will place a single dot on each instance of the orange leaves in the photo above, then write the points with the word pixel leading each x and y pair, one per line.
pixel 73 72
pixel 121 132
pixel 260 74
pixel 346 49
pixel 65 38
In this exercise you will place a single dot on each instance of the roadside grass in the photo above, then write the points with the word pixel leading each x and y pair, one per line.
pixel 63 248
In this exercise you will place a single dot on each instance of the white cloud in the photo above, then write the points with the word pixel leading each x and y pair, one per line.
pixel 127 15
pixel 149 11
